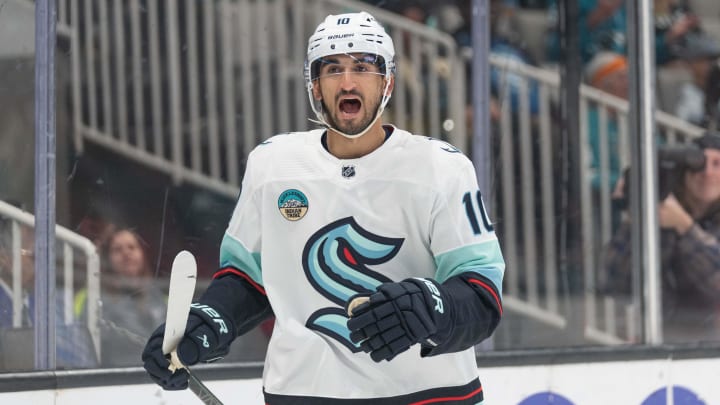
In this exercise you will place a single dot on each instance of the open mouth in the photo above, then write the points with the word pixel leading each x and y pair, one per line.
pixel 350 106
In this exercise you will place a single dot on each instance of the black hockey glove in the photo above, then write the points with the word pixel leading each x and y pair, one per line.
pixel 400 315
pixel 156 364
pixel 207 338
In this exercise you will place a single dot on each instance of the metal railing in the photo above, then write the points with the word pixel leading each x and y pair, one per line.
pixel 69 244
pixel 190 87
pixel 527 152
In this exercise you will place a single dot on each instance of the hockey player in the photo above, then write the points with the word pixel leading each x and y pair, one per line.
pixel 370 245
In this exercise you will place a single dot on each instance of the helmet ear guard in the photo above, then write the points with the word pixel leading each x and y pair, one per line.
pixel 352 33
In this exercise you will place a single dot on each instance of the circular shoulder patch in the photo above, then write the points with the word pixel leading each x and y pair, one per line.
pixel 293 204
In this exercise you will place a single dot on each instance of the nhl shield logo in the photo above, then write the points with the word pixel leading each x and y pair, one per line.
pixel 348 171
pixel 293 204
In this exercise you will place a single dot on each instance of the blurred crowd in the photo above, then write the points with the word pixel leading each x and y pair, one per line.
pixel 686 50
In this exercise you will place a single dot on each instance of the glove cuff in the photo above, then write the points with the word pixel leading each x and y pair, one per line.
pixel 439 306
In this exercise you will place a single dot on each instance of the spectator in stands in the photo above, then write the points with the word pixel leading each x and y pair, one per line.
pixel 503 23
pixel 602 25
pixel 411 76
pixel 700 54
pixel 607 71
pixel 416 10
pixel 133 304
pixel 505 44
pixel 74 348
pixel 674 21
pixel 712 98
pixel 27 277
pixel 97 227
pixel 690 252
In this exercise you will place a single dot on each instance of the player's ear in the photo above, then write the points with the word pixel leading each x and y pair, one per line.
pixel 316 90
pixel 391 86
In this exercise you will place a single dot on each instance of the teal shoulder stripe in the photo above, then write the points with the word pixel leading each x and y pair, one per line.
pixel 484 258
pixel 234 254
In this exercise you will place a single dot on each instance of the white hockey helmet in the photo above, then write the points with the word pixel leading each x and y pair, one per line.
pixel 346 34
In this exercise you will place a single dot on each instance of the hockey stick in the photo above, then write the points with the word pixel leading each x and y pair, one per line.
pixel 182 287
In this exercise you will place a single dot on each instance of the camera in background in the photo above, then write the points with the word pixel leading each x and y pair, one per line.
pixel 673 162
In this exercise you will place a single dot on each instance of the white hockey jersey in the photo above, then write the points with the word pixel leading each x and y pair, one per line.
pixel 312 230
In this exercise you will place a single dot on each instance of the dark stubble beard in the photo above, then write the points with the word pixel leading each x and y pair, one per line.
pixel 350 129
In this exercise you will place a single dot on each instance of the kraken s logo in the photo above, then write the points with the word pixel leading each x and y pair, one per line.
pixel 335 260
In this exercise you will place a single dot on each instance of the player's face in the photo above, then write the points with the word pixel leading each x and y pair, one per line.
pixel 350 88
pixel 705 185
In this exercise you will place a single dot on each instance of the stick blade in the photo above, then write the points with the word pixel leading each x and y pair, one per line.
pixel 182 288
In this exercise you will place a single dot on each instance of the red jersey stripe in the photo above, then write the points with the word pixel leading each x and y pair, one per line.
pixel 487 287
pixel 445 399
pixel 232 270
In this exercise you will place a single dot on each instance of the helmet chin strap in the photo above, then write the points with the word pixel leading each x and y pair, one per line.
pixel 322 121
pixel 354 136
